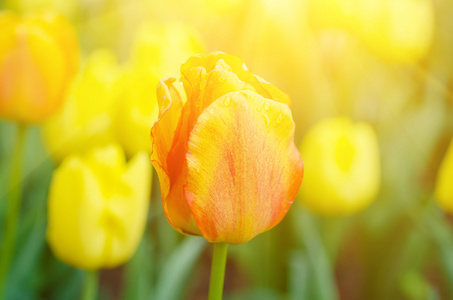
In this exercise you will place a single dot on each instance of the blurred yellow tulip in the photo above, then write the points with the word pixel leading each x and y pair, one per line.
pixel 333 13
pixel 137 111
pixel 86 119
pixel 68 8
pixel 398 31
pixel 162 48
pixel 98 206
pixel 38 59
pixel 341 165
pixel 444 183
pixel 159 50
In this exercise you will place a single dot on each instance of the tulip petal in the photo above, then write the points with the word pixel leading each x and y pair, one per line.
pixel 97 208
pixel 205 80
pixel 162 135
pixel 163 130
pixel 235 66
pixel 244 170
pixel 216 83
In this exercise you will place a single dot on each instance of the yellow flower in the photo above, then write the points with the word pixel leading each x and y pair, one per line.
pixel 38 58
pixel 342 167
pixel 159 51
pixel 86 118
pixel 227 164
pixel 444 183
pixel 333 13
pixel 398 31
pixel 98 208
pixel 162 48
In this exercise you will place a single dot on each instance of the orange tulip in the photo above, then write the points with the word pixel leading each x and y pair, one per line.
pixel 38 58
pixel 226 159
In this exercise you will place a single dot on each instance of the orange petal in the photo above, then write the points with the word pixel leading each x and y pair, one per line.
pixel 233 64
pixel 244 170
pixel 162 135
pixel 205 88
pixel 163 130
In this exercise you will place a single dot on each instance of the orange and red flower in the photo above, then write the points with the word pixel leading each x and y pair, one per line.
pixel 38 59
pixel 226 159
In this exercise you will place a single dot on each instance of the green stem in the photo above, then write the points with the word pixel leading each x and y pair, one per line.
pixel 12 211
pixel 90 290
pixel 219 258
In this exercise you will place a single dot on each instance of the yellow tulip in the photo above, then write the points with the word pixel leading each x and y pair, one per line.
pixel 38 59
pixel 398 31
pixel 159 51
pixel 444 183
pixel 333 13
pixel 98 207
pixel 226 159
pixel 86 118
pixel 342 166
pixel 162 48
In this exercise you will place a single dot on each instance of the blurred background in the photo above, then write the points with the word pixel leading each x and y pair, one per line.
pixel 387 63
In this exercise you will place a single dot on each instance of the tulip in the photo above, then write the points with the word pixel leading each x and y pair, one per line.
pixel 444 188
pixel 226 159
pixel 98 208
pixel 86 119
pixel 343 168
pixel 398 31
pixel 38 59
pixel 159 50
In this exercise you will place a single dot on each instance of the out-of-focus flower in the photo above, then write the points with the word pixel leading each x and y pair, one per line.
pixel 98 207
pixel 159 50
pixel 333 13
pixel 86 118
pixel 444 186
pixel 137 111
pixel 69 8
pixel 224 6
pixel 38 59
pixel 399 31
pixel 226 159
pixel 343 169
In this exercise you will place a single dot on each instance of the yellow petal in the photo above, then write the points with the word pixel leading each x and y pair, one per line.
pixel 137 112
pixel 85 120
pixel 342 166
pixel 399 31
pixel 98 208
pixel 244 170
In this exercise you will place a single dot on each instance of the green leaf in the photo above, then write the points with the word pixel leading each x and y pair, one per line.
pixel 441 234
pixel 139 271
pixel 173 277
pixel 323 278
pixel 256 294
pixel 299 272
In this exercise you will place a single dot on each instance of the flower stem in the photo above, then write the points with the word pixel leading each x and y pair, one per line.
pixel 12 209
pixel 219 258
pixel 90 289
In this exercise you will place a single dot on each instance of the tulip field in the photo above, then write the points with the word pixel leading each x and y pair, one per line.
pixel 202 149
